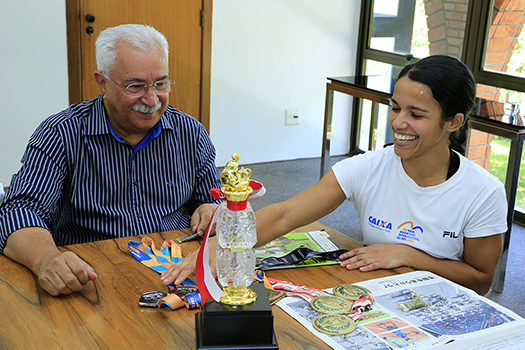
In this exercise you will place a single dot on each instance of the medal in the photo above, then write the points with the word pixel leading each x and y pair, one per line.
pixel 334 324
pixel 332 305
pixel 350 291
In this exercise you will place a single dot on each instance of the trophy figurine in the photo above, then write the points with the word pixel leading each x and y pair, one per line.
pixel 237 316
pixel 236 235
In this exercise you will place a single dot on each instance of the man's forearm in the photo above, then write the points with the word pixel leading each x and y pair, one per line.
pixel 29 246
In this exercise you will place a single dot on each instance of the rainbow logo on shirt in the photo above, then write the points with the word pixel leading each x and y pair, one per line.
pixel 408 232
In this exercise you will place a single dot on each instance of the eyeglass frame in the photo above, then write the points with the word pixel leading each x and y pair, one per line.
pixel 145 86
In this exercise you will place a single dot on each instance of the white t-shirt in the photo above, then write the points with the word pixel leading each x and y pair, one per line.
pixel 435 219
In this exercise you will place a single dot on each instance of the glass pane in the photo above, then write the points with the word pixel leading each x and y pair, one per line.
pixel 505 46
pixel 494 157
pixel 502 104
pixel 492 151
pixel 520 195
pixel 419 28
pixel 381 133
pixel 384 69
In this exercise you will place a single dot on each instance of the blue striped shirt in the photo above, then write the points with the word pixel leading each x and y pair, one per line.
pixel 82 183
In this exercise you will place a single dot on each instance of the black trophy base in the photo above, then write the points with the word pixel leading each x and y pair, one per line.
pixel 221 326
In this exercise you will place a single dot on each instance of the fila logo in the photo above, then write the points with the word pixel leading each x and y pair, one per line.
pixel 450 234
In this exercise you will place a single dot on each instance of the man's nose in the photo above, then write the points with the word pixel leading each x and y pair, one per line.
pixel 150 98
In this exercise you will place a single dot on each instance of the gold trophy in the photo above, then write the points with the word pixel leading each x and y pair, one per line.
pixel 243 318
pixel 236 235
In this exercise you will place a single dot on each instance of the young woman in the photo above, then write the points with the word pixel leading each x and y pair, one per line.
pixel 421 203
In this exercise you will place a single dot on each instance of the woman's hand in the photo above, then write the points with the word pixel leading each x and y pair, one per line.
pixel 376 256
pixel 180 271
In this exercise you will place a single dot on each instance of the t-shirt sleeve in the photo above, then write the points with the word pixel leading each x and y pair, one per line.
pixel 351 174
pixel 489 215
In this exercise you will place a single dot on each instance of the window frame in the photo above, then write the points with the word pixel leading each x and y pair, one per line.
pixel 474 48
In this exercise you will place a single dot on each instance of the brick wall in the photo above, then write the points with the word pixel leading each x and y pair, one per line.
pixel 446 25
pixel 446 29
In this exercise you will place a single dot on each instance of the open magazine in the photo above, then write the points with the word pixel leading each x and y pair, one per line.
pixel 419 310
pixel 318 241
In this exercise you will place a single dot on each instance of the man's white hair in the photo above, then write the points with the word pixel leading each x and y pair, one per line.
pixel 138 35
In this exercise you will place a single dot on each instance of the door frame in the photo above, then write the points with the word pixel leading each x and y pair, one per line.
pixel 74 30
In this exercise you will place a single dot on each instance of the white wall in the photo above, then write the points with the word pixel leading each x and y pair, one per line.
pixel 267 56
pixel 273 55
pixel 34 73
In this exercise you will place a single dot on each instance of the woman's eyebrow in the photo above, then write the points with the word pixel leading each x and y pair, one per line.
pixel 417 108
pixel 392 100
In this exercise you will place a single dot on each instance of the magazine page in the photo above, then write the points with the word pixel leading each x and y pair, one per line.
pixel 439 306
pixel 379 330
pixel 418 310
pixel 315 240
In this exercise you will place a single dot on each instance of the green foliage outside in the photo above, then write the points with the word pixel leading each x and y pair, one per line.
pixel 499 156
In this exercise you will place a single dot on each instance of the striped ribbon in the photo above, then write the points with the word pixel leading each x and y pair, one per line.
pixel 160 260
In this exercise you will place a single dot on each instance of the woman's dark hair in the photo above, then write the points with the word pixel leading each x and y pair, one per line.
pixel 452 86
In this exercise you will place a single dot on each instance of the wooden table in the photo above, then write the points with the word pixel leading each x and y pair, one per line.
pixel 106 315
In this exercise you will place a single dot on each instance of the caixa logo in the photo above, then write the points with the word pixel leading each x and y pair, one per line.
pixel 379 224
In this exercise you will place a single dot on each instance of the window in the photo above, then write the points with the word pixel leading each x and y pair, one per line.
pixel 394 33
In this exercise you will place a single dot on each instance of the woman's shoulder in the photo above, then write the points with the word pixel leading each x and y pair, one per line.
pixel 374 157
pixel 365 164
pixel 477 175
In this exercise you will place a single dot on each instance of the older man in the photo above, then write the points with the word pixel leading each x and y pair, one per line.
pixel 124 163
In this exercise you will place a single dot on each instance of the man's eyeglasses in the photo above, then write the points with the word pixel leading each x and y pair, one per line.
pixel 161 87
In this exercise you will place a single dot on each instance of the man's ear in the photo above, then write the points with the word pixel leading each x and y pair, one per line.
pixel 455 123
pixel 101 80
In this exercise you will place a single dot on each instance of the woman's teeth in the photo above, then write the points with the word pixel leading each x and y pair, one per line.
pixel 405 138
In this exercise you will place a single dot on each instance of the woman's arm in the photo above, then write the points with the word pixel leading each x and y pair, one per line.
pixel 276 220
pixel 476 271
pixel 304 208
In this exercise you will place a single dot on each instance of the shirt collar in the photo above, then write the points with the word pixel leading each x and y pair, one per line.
pixel 98 124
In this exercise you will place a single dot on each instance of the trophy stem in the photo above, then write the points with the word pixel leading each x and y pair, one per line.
pixel 238 295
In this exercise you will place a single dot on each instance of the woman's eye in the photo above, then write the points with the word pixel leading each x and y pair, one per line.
pixel 396 109
pixel 416 116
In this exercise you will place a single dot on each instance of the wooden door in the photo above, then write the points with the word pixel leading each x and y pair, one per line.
pixel 186 25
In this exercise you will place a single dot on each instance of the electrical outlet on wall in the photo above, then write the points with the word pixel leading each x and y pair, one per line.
pixel 292 117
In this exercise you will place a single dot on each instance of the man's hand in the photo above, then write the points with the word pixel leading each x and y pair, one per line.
pixel 64 273
pixel 201 218
pixel 376 256
pixel 58 272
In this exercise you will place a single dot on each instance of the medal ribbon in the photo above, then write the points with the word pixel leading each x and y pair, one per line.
pixel 292 289
pixel 159 260
pixel 362 304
